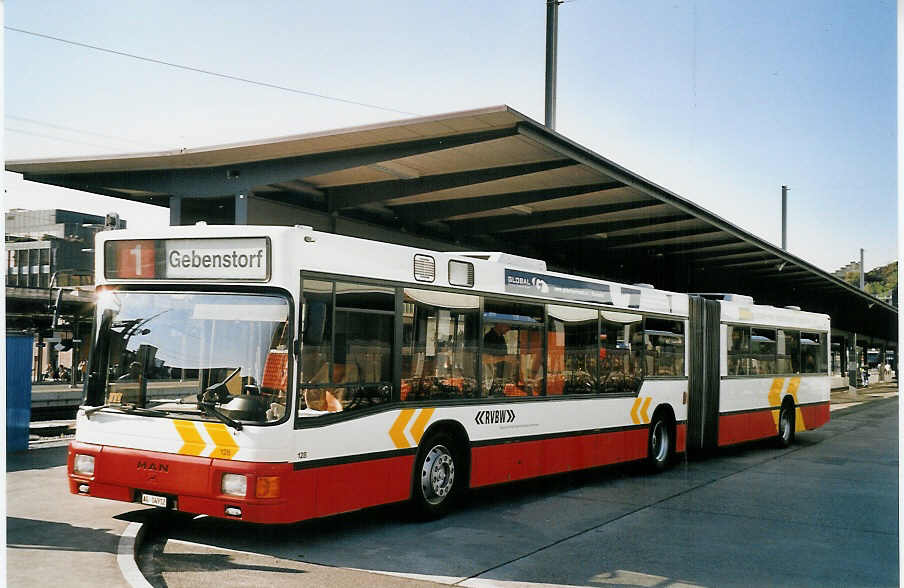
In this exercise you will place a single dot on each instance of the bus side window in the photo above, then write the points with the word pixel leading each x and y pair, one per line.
pixel 738 350
pixel 363 344
pixel 812 353
pixel 572 350
pixel 762 351
pixel 664 343
pixel 346 357
pixel 316 351
pixel 788 352
pixel 621 352
pixel 512 349
pixel 316 313
pixel 439 345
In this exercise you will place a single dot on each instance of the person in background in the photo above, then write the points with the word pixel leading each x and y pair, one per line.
pixel 495 350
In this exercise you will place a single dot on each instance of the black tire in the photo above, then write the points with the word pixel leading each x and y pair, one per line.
pixel 785 435
pixel 438 476
pixel 660 444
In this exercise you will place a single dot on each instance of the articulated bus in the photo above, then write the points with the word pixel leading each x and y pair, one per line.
pixel 277 374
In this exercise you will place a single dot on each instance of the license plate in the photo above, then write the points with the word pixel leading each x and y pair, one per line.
pixel 152 500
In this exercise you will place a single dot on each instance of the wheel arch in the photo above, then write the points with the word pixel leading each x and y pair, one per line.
pixel 665 411
pixel 459 435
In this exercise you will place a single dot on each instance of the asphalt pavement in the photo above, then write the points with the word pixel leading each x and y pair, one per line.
pixel 822 513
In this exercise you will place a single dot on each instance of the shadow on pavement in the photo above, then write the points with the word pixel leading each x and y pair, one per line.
pixel 37 459
pixel 36 534
pixel 205 562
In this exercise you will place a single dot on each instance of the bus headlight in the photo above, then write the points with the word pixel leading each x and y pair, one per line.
pixel 234 484
pixel 84 464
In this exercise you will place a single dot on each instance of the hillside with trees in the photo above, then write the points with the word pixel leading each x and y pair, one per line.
pixel 879 281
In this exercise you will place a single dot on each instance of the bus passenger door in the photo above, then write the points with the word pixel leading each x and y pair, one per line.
pixel 703 374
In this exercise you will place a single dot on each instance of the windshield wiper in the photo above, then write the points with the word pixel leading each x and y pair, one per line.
pixel 132 408
pixel 210 410
pixel 93 409
pixel 126 408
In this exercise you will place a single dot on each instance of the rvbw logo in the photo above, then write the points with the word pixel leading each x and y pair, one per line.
pixel 494 417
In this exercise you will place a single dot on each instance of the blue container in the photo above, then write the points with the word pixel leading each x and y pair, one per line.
pixel 19 349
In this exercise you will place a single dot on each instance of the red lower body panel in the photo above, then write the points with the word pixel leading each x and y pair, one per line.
pixel 506 462
pixel 762 424
pixel 342 488
pixel 194 482
pixel 815 415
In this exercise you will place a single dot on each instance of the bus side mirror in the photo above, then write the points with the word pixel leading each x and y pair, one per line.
pixel 315 322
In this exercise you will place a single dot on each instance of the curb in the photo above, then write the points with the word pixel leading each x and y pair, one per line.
pixel 859 406
pixel 125 556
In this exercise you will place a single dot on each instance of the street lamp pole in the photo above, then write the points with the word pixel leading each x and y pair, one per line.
pixel 552 41
pixel 784 217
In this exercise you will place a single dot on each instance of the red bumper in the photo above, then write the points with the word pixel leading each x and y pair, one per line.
pixel 191 484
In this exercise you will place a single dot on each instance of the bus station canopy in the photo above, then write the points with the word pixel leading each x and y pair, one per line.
pixel 489 180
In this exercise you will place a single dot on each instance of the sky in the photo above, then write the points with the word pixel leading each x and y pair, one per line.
pixel 719 102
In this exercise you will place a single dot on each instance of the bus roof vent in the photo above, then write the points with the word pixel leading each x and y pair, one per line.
pixel 506 258
pixel 738 298
pixel 793 307
pixel 645 285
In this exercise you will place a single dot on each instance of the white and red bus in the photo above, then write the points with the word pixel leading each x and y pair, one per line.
pixel 276 374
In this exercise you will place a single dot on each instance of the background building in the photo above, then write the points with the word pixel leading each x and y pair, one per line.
pixel 46 250
pixel 41 243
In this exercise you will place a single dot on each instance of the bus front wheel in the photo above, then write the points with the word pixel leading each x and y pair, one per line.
pixel 437 476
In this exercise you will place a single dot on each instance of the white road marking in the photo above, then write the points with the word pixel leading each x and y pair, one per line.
pixel 482 583
pixel 629 578
pixel 451 580
pixel 835 407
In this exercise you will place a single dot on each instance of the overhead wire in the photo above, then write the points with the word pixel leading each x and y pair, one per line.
pixel 208 72
pixel 74 130
pixel 42 135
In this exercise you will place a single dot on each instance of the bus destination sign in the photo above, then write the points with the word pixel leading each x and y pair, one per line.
pixel 182 259
pixel 521 282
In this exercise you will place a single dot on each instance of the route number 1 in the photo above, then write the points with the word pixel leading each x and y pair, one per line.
pixel 135 259
pixel 136 251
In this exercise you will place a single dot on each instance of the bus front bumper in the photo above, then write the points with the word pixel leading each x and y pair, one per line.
pixel 180 482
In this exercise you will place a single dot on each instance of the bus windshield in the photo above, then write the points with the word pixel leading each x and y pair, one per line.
pixel 191 355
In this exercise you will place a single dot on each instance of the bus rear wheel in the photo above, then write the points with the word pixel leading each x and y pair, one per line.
pixel 785 426
pixel 660 444
pixel 436 481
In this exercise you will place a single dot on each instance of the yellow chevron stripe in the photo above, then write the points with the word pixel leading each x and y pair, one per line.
pixel 397 430
pixel 420 423
pixel 645 408
pixel 799 424
pixel 226 447
pixel 192 444
pixel 775 398
pixel 635 418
